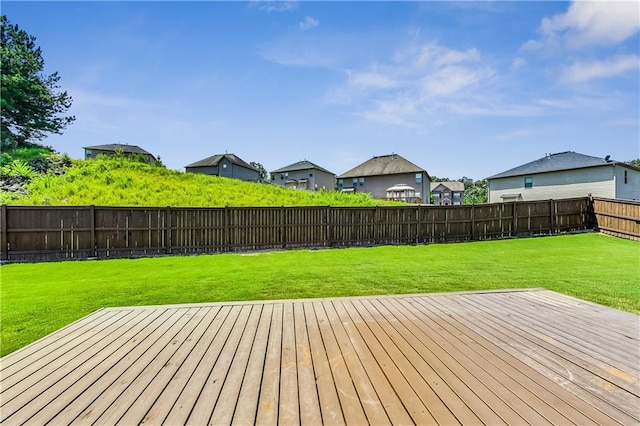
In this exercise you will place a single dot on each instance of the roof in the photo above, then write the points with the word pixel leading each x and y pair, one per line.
pixel 214 160
pixel 301 165
pixel 567 160
pixel 452 185
pixel 392 164
pixel 133 149
pixel 401 187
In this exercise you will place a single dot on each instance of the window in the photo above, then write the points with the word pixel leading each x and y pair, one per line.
pixel 418 177
pixel 310 174
pixel 354 181
pixel 361 181
pixel 281 175
pixel 626 177
pixel 456 195
pixel 340 183
pixel 436 195
pixel 528 182
pixel 88 153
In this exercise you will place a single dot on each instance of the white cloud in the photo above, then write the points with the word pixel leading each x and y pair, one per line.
pixel 274 5
pixel 589 23
pixel 435 55
pixel 419 82
pixel 371 80
pixel 580 72
pixel 451 80
pixel 308 23
pixel 623 122
pixel 515 134
pixel 518 63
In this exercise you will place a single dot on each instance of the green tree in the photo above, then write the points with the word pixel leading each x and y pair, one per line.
pixel 32 107
pixel 635 163
pixel 475 192
pixel 262 172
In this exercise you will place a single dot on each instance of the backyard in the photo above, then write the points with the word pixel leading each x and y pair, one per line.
pixel 39 298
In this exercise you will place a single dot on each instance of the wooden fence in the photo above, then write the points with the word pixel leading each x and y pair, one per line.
pixel 35 233
pixel 620 218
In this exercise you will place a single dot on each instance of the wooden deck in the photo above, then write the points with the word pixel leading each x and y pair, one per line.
pixel 506 357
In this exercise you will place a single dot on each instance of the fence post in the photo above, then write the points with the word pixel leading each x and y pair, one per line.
pixel 592 219
pixel 227 235
pixel 327 231
pixel 92 212
pixel 283 229
pixel 552 215
pixel 418 224
pixel 167 230
pixel 4 248
pixel 473 221
pixel 375 228
pixel 515 220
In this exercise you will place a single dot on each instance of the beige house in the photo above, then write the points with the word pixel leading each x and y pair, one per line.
pixel 450 193
pixel 378 174
pixel 566 175
pixel 304 175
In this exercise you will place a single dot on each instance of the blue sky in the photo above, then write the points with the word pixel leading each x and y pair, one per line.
pixel 458 88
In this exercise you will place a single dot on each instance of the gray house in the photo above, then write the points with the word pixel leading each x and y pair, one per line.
pixel 304 175
pixel 110 149
pixel 449 193
pixel 378 174
pixel 566 175
pixel 225 165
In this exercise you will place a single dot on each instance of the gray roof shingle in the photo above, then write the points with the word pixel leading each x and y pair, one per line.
pixel 556 162
pixel 452 185
pixel 392 164
pixel 301 165
pixel 214 160
pixel 131 149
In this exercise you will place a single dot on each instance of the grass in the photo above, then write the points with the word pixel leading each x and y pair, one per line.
pixel 117 181
pixel 37 299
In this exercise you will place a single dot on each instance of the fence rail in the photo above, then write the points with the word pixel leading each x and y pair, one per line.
pixel 36 233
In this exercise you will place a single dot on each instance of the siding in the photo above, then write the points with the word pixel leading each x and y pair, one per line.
pixel 598 181
pixel 631 189
pixel 320 178
pixel 231 171
pixel 377 185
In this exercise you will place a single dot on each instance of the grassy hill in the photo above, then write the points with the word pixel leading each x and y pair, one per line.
pixel 113 181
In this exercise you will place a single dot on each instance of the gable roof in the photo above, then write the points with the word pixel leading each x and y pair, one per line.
pixel 452 185
pixel 301 165
pixel 214 160
pixel 567 160
pixel 131 149
pixel 392 164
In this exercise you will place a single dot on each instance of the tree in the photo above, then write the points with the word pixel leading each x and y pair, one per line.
pixel 262 172
pixel 475 192
pixel 31 105
pixel 635 163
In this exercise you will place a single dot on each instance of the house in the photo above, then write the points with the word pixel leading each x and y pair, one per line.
pixel 566 175
pixel 304 175
pixel 378 174
pixel 449 193
pixel 402 192
pixel 225 165
pixel 110 149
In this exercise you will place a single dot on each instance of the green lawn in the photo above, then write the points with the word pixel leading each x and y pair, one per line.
pixel 37 299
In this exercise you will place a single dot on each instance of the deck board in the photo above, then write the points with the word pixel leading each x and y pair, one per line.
pixel 497 357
